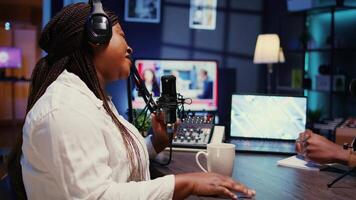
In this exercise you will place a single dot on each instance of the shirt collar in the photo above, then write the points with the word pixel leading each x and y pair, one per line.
pixel 75 82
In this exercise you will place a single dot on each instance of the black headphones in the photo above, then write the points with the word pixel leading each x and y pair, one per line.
pixel 98 26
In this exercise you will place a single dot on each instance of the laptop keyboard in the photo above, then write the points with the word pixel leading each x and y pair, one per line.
pixel 264 146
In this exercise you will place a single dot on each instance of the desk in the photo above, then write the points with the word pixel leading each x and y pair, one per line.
pixel 260 172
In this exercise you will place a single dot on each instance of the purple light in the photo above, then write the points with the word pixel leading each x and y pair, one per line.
pixel 10 57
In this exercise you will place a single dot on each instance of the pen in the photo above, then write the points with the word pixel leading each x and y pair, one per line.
pixel 302 147
pixel 303 140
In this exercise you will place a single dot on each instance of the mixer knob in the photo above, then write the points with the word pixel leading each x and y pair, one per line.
pixel 188 139
pixel 181 138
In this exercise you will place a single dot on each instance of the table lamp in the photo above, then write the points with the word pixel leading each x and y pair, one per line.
pixel 268 51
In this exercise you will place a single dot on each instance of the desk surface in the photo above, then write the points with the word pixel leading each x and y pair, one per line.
pixel 260 172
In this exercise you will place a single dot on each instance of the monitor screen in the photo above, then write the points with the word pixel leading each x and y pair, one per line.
pixel 10 57
pixel 272 117
pixel 195 79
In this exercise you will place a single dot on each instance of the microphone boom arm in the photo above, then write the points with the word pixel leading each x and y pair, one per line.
pixel 164 102
pixel 141 87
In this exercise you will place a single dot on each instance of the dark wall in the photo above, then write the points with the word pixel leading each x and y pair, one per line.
pixel 144 38
pixel 232 43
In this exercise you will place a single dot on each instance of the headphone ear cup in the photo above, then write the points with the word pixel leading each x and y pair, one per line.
pixel 98 29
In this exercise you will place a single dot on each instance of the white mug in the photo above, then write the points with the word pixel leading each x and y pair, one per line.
pixel 220 158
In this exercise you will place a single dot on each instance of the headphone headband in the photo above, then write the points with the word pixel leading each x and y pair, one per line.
pixel 96 7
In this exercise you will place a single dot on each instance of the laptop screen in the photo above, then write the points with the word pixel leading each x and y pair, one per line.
pixel 268 117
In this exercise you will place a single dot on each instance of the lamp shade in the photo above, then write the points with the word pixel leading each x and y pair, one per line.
pixel 281 56
pixel 267 49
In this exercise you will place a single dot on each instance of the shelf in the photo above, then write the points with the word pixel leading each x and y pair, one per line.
pixel 322 9
pixel 288 88
pixel 327 91
pixel 291 89
pixel 334 48
pixel 14 80
pixel 321 50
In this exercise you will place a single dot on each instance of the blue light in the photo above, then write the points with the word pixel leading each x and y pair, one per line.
pixel 7 26
pixel 319 27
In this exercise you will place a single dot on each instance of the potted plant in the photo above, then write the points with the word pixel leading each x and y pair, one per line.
pixel 314 116
pixel 142 121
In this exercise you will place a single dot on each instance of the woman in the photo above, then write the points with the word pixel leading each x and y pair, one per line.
pixel 151 81
pixel 75 144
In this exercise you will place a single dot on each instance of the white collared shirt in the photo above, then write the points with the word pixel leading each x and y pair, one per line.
pixel 73 150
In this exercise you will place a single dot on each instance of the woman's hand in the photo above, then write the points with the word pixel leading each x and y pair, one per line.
pixel 208 184
pixel 160 138
pixel 319 149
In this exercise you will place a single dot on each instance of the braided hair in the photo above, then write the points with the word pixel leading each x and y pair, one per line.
pixel 64 39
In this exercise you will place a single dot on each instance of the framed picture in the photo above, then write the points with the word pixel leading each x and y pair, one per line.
pixel 202 14
pixel 148 11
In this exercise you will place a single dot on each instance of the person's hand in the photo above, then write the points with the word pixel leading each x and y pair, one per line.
pixel 319 149
pixel 300 143
pixel 208 184
pixel 160 138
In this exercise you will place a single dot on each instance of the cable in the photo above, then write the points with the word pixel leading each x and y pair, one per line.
pixel 181 101
pixel 170 132
pixel 154 107
pixel 141 88
pixel 340 177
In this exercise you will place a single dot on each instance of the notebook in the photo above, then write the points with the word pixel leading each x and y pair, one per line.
pixel 299 162
pixel 266 123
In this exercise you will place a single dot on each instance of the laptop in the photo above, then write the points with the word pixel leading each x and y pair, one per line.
pixel 265 123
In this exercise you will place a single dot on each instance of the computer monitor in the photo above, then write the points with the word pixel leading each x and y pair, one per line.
pixel 10 57
pixel 195 79
pixel 267 117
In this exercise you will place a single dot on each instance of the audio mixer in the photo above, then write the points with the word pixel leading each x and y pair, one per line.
pixel 194 131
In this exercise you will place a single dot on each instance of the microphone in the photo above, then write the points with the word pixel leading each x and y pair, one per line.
pixel 352 87
pixel 168 102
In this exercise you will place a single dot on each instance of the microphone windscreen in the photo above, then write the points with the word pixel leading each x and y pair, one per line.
pixel 352 87
pixel 169 86
pixel 168 99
